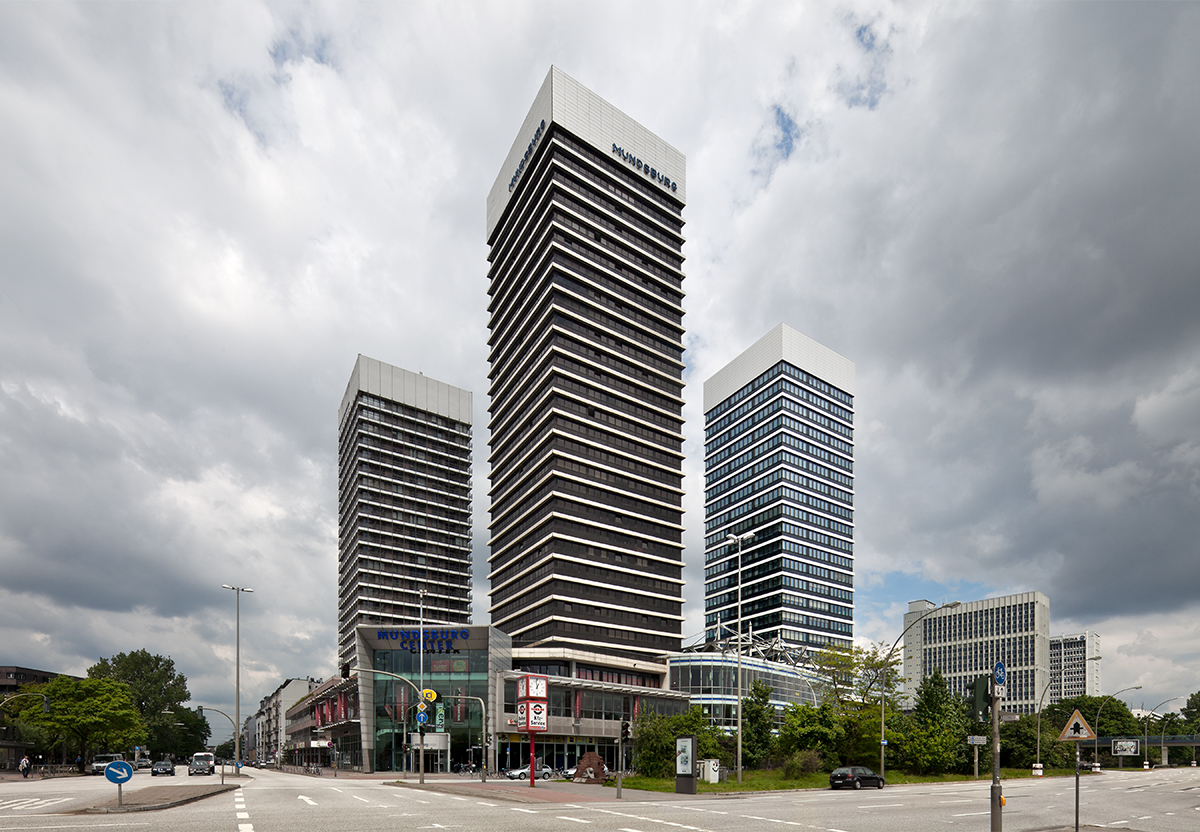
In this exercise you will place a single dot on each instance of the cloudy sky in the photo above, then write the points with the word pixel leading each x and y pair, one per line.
pixel 208 210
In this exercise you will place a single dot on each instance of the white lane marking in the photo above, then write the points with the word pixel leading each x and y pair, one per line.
pixel 335 788
pixel 527 811
pixel 307 800
pixel 880 805
pixel 630 830
pixel 245 827
pixel 32 803
pixel 243 816
pixel 964 800
pixel 363 799
pixel 79 825
pixel 481 803
pixel 452 797
pixel 576 820
pixel 969 814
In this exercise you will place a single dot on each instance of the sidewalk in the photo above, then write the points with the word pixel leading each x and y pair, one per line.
pixel 546 791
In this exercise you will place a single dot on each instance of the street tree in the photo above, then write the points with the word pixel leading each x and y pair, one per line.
pixel 91 714
pixel 758 723
pixel 1191 712
pixel 851 680
pixel 158 691
pixel 654 739
pixel 808 728
pixel 934 737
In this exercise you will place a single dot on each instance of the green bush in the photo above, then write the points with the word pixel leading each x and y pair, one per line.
pixel 801 763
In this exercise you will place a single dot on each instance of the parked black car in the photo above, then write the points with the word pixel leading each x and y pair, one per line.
pixel 855 777
pixel 165 767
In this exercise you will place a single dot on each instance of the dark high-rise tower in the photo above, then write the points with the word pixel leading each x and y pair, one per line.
pixel 585 233
pixel 404 501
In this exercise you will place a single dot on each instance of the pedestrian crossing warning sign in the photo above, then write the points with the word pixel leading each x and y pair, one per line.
pixel 1077 729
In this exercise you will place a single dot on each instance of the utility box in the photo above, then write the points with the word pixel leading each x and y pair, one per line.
pixel 710 771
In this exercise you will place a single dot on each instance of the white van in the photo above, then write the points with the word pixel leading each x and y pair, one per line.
pixel 203 762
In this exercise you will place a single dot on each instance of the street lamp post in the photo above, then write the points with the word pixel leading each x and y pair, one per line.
pixel 1096 727
pixel 237 678
pixel 739 540
pixel 883 677
pixel 1162 737
pixel 1146 729
pixel 421 659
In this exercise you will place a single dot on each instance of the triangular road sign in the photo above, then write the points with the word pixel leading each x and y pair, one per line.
pixel 1077 729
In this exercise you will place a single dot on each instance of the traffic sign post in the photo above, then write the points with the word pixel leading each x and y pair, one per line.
pixel 118 771
pixel 1076 730
pixel 976 740
pixel 999 678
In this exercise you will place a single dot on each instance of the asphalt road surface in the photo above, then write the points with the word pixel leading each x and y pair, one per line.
pixel 271 801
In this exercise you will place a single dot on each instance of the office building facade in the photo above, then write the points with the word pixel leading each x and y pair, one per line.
pixel 779 473
pixel 585 231
pixel 404 502
pixel 965 642
pixel 1074 666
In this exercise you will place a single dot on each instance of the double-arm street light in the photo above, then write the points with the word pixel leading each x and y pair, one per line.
pixel 237 679
pixel 739 540
pixel 1096 727
pixel 883 676
pixel 1146 729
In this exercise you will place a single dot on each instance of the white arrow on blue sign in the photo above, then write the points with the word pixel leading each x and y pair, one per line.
pixel 422 718
pixel 999 673
pixel 118 772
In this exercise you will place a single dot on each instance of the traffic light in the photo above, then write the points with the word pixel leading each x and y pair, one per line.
pixel 488 741
pixel 979 699
pixel 200 711
pixel 625 731
pixel 346 670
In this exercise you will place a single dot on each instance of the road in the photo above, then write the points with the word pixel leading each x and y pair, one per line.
pixel 1159 801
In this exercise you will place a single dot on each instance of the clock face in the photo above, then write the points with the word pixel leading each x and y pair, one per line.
pixel 537 687
pixel 522 687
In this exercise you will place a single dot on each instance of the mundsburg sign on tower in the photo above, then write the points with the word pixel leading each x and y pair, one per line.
pixel 564 101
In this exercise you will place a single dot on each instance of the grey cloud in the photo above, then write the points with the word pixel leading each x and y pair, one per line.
pixel 207 211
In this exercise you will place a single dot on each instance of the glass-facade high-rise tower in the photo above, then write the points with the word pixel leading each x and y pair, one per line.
pixel 404 502
pixel 585 232
pixel 779 476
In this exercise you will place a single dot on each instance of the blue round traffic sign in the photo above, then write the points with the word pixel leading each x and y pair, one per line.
pixel 999 673
pixel 118 771
pixel 422 718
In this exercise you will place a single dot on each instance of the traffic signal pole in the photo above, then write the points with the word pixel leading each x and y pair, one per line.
pixel 620 763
